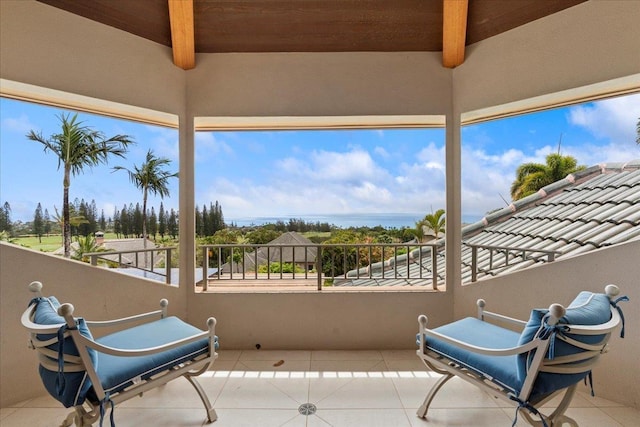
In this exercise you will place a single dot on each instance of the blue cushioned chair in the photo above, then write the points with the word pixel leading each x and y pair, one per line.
pixel 146 351
pixel 554 351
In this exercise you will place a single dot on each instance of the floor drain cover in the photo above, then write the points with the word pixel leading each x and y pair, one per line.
pixel 307 409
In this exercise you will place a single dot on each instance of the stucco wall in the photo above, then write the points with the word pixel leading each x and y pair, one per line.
pixel 96 294
pixel 325 84
pixel 362 320
pixel 589 43
pixel 48 47
pixel 616 377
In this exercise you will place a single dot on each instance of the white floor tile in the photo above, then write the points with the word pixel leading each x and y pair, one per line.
pixel 361 417
pixel 353 393
pixel 259 417
pixel 5 412
pixel 259 393
pixel 346 355
pixel 349 388
pixel 273 365
pixel 275 355
pixel 628 417
pixel 399 355
pixel 36 417
pixel 228 356
pixel 348 365
pixel 477 417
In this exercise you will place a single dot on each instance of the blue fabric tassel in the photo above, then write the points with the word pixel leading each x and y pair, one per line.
pixel 60 380
pixel 615 305
pixel 527 406
pixel 550 331
pixel 107 399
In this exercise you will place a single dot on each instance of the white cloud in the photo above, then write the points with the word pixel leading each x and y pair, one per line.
pixel 21 124
pixel 208 146
pixel 611 119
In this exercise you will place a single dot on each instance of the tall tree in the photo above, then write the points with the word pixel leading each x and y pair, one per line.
pixel 117 224
pixel 78 146
pixel 38 222
pixel 138 222
pixel 150 177
pixel 47 222
pixel 5 218
pixel 103 221
pixel 531 177
pixel 153 224
pixel 172 224
pixel 162 221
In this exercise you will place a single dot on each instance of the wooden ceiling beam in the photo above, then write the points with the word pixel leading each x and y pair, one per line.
pixel 182 33
pixel 454 32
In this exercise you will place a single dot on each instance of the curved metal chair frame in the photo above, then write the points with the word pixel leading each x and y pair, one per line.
pixel 89 412
pixel 527 407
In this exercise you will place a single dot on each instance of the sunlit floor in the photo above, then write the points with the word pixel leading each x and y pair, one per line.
pixel 348 388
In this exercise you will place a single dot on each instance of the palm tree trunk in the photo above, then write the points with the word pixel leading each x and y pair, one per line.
pixel 144 226
pixel 66 224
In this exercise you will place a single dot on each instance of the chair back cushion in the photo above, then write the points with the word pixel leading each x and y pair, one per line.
pixel 587 308
pixel 72 391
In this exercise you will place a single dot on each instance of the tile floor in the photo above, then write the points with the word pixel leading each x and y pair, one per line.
pixel 349 388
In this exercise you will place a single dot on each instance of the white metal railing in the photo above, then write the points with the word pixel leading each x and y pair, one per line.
pixel 322 263
pixel 510 254
pixel 150 257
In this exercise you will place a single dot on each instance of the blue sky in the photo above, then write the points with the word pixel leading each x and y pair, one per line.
pixel 304 173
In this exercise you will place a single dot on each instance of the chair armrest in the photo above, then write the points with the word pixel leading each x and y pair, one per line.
pixel 482 314
pixel 146 317
pixel 152 315
pixel 506 319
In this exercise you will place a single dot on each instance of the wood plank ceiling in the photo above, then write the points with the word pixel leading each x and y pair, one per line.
pixel 315 25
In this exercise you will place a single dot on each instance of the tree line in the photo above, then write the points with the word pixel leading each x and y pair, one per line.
pixel 126 222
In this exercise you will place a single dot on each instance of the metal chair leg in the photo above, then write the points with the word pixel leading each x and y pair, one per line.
pixel 422 411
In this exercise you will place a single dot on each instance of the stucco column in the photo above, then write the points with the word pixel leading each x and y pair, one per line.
pixel 453 185
pixel 187 228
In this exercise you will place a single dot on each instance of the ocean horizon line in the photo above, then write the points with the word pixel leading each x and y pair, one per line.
pixel 343 220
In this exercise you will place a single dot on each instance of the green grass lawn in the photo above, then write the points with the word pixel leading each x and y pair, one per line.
pixel 49 243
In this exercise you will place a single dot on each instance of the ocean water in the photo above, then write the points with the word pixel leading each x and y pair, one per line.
pixel 386 220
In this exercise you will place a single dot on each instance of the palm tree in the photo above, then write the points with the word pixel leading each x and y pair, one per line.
pixel 419 231
pixel 150 177
pixel 435 222
pixel 86 245
pixel 77 147
pixel 531 177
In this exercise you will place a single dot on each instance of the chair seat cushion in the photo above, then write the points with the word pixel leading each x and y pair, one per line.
pixel 117 373
pixel 500 369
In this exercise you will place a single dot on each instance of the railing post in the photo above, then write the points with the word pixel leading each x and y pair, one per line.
pixel 319 266
pixel 434 264
pixel 474 263
pixel 168 266
pixel 94 260
pixel 205 269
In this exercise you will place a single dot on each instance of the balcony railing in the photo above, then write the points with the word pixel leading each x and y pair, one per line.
pixel 320 263
pixel 507 256
pixel 141 259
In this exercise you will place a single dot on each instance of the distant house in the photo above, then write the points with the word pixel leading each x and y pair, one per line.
pixel 284 249
pixel 590 209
